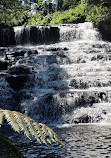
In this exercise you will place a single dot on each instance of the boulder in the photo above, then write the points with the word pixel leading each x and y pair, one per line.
pixel 17 82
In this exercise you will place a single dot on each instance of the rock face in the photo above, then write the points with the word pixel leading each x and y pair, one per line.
pixel 28 35
pixel 36 34
pixel 7 36
pixel 105 29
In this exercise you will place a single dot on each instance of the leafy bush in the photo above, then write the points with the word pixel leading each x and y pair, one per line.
pixel 97 14
pixel 70 16
pixel 84 11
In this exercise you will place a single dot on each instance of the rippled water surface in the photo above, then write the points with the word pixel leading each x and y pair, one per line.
pixel 82 141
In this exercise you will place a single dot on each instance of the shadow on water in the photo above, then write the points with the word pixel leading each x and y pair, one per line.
pixel 50 79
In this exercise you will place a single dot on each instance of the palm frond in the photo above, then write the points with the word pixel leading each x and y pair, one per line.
pixel 22 123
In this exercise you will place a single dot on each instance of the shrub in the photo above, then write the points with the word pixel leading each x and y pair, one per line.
pixel 97 14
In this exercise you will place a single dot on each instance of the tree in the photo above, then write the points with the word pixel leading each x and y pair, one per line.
pixel 12 12
pixel 66 4
pixel 59 4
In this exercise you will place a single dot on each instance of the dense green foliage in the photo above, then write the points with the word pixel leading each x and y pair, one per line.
pixel 19 12
pixel 12 12
pixel 65 11
pixel 80 13
pixel 68 16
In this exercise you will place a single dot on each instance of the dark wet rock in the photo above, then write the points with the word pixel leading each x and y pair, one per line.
pixel 29 52
pixel 15 54
pixel 2 52
pixel 66 49
pixel 82 59
pixel 105 29
pixel 98 57
pixel 102 96
pixel 37 35
pixel 25 51
pixel 17 82
pixel 57 49
pixel 78 84
pixel 54 34
pixel 2 49
pixel 18 53
pixel 35 52
pixel 83 119
pixel 19 70
pixel 93 58
pixel 97 46
pixel 3 65
pixel 18 77
pixel 7 36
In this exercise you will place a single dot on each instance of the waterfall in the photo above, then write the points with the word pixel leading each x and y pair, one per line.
pixel 51 34
pixel 81 31
pixel 58 73
pixel 36 34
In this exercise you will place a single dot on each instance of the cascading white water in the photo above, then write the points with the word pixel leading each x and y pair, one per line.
pixel 65 81
pixel 43 34
pixel 83 31
pixel 18 34
pixel 36 35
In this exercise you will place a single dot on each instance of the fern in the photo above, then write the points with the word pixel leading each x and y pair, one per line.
pixel 22 123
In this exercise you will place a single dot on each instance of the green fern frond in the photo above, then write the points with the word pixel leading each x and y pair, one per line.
pixel 22 123
pixel 1 117
pixel 11 120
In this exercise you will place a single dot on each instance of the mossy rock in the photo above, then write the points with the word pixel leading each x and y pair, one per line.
pixel 7 149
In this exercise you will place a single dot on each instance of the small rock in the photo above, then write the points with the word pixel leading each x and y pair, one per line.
pixel 3 65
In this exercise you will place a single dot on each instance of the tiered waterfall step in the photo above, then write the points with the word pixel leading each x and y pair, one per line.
pixel 73 74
